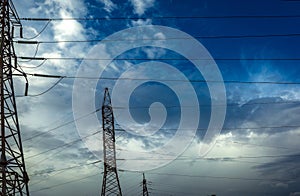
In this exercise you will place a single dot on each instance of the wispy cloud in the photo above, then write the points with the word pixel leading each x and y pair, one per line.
pixel 109 6
pixel 140 6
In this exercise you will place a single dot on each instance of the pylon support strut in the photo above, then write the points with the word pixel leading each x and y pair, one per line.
pixel 13 176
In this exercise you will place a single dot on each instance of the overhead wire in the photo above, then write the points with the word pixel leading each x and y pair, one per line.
pixel 211 158
pixel 164 59
pixel 212 177
pixel 39 33
pixel 160 17
pixel 169 80
pixel 64 183
pixel 221 159
pixel 161 173
pixel 63 145
pixel 255 59
pixel 92 134
pixel 199 129
pixel 161 39
pixel 33 67
pixel 34 55
pixel 259 145
pixel 44 92
pixel 49 20
pixel 60 126
pixel 62 170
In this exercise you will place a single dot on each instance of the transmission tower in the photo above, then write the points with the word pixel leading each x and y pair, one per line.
pixel 110 184
pixel 145 189
pixel 13 176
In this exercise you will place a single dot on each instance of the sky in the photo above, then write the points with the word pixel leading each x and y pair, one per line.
pixel 225 125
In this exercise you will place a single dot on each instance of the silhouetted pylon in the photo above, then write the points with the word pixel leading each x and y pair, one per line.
pixel 145 189
pixel 110 184
pixel 13 176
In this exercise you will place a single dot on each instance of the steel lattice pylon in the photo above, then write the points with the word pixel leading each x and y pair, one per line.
pixel 145 189
pixel 110 184
pixel 13 177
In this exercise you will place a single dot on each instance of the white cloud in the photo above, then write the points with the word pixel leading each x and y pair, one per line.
pixel 141 22
pixel 140 6
pixel 109 6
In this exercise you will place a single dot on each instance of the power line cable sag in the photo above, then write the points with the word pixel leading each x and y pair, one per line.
pixel 199 129
pixel 161 39
pixel 213 177
pixel 61 184
pixel 174 174
pixel 39 33
pixel 170 80
pixel 44 92
pixel 218 159
pixel 122 130
pixel 163 59
pixel 62 125
pixel 162 17
pixel 64 145
pixel 62 170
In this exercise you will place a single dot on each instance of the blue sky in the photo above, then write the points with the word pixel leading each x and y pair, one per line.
pixel 257 151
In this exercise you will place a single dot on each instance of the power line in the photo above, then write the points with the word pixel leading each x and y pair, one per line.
pixel 162 17
pixel 77 140
pixel 33 67
pixel 64 145
pixel 165 59
pixel 213 177
pixel 161 39
pixel 209 105
pixel 199 129
pixel 44 92
pixel 72 167
pixel 259 145
pixel 62 170
pixel 211 158
pixel 62 184
pixel 144 59
pixel 169 80
pixel 62 125
pixel 222 159
pixel 39 33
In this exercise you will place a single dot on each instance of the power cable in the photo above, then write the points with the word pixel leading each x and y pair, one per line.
pixel 34 55
pixel 169 80
pixel 161 39
pixel 44 92
pixel 162 59
pixel 162 17
pixel 62 170
pixel 60 126
pixel 62 184
pixel 213 177
pixel 33 67
pixel 64 145
pixel 212 158
pixel 39 33
pixel 259 145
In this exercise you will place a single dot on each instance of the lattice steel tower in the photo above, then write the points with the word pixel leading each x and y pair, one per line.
pixel 13 177
pixel 145 189
pixel 110 184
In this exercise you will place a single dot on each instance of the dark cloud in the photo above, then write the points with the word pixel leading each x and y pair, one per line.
pixel 286 168
pixel 263 112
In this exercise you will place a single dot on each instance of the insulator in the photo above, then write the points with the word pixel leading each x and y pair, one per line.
pixel 21 32
pixel 26 88
pixel 12 31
